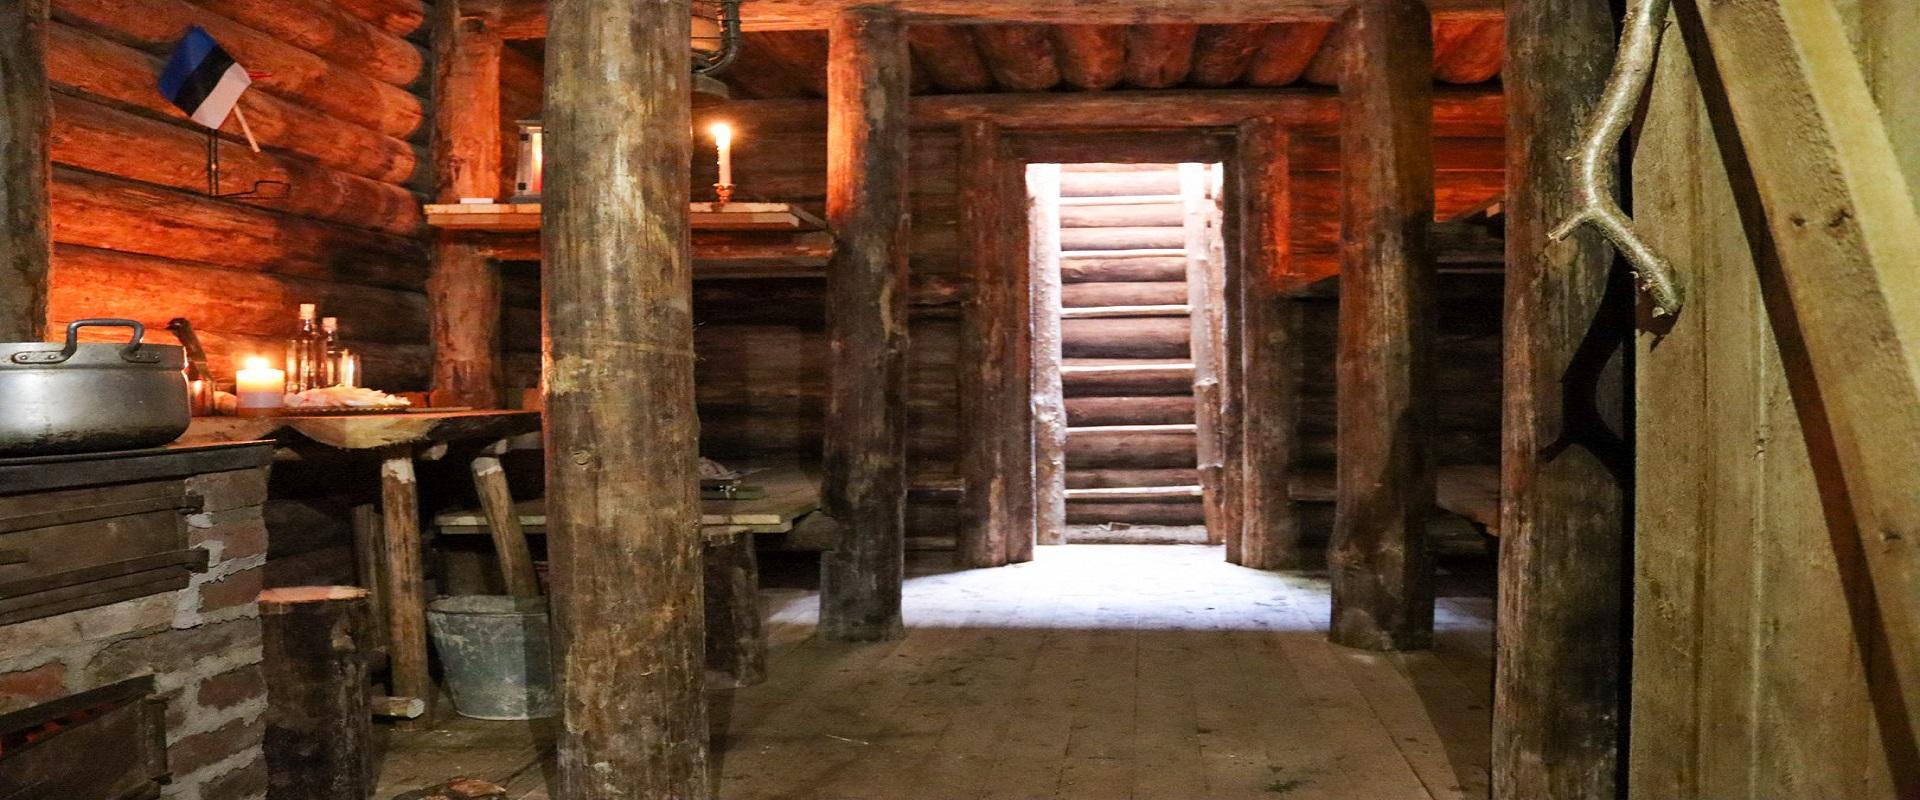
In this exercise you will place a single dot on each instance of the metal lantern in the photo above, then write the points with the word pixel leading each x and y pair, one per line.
pixel 526 180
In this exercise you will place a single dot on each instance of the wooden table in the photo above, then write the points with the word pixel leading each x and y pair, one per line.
pixel 736 638
pixel 387 544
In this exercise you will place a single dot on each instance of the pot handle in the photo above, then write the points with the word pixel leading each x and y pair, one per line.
pixel 132 353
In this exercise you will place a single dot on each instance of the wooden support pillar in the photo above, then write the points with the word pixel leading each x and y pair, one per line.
pixel 995 383
pixel 319 724
pixel 1557 686
pixel 623 506
pixel 463 290
pixel 1381 568
pixel 26 114
pixel 1049 405
pixel 866 478
pixel 1270 530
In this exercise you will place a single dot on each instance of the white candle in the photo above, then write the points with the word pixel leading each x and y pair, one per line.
pixel 260 387
pixel 723 139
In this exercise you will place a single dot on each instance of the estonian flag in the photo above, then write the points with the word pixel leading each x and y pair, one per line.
pixel 202 79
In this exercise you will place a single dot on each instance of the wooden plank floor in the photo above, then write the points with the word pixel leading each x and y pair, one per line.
pixel 1098 671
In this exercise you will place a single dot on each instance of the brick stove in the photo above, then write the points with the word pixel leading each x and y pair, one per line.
pixel 128 623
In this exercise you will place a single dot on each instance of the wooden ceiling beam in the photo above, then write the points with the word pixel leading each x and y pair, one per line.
pixel 1092 57
pixel 526 19
pixel 1285 53
pixel 1308 111
pixel 949 57
pixel 1020 55
pixel 1159 56
pixel 1223 53
pixel 1468 51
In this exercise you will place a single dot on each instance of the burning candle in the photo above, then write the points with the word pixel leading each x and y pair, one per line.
pixel 260 387
pixel 723 140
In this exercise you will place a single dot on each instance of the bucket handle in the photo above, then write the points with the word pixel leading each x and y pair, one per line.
pixel 132 353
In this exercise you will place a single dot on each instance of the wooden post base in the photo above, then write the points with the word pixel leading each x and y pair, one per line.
pixel 736 642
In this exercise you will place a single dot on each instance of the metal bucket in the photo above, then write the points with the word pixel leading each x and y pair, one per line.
pixel 497 655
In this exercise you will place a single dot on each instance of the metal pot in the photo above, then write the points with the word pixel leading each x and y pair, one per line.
pixel 86 398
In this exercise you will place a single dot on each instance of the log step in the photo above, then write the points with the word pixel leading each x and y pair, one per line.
pixel 1122 238
pixel 1149 337
pixel 1113 312
pixel 1139 266
pixel 1127 380
pixel 1086 412
pixel 1129 478
pixel 1123 293
pixel 1157 215
pixel 1134 493
pixel 1184 511
pixel 1132 449
pixel 1094 430
pixel 1109 184
pixel 1122 200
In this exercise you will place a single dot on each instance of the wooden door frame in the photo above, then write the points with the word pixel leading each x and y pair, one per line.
pixel 1209 144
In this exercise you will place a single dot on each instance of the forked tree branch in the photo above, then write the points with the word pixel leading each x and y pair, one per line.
pixel 1594 179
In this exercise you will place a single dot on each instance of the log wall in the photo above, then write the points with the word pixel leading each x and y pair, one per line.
pixel 340 120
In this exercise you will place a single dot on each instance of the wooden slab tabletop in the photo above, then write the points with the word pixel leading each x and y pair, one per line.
pixel 369 431
pixel 792 493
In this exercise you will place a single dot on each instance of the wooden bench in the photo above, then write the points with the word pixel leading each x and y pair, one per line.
pixel 736 639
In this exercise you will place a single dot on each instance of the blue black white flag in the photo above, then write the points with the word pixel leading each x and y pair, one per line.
pixel 202 79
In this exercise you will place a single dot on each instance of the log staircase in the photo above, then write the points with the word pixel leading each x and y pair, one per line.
pixel 1127 367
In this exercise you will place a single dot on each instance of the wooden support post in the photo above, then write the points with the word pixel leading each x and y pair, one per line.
pixel 865 485
pixel 26 114
pixel 736 642
pixel 1270 534
pixel 623 505
pixel 1382 572
pixel 1039 229
pixel 404 579
pixel 1557 685
pixel 1239 183
pixel 1846 235
pixel 369 565
pixel 1200 218
pixel 319 726
pixel 463 290
pixel 503 523
pixel 1048 403
pixel 996 385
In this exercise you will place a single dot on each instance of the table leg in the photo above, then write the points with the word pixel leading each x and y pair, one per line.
pixel 736 640
pixel 406 594
pixel 503 523
pixel 369 565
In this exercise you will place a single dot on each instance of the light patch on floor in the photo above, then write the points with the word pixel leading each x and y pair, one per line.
pixel 1097 671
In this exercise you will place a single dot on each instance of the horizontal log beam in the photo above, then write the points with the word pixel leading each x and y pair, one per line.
pixel 526 19
pixel 98 138
pixel 1162 410
pixel 1311 111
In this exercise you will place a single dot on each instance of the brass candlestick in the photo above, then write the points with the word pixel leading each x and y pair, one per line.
pixel 723 194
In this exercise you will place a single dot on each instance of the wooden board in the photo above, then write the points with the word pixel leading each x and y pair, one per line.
pixel 368 432
pixel 510 217
pixel 792 493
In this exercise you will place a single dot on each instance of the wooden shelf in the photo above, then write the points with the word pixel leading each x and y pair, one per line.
pixel 521 217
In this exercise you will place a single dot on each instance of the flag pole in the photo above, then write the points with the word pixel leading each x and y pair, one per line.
pixel 244 127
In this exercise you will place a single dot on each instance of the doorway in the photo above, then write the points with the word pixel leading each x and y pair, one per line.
pixel 1127 321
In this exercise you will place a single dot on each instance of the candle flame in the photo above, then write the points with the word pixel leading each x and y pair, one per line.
pixel 256 362
pixel 722 134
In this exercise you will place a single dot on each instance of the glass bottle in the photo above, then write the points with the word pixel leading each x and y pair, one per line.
pixel 330 348
pixel 306 353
